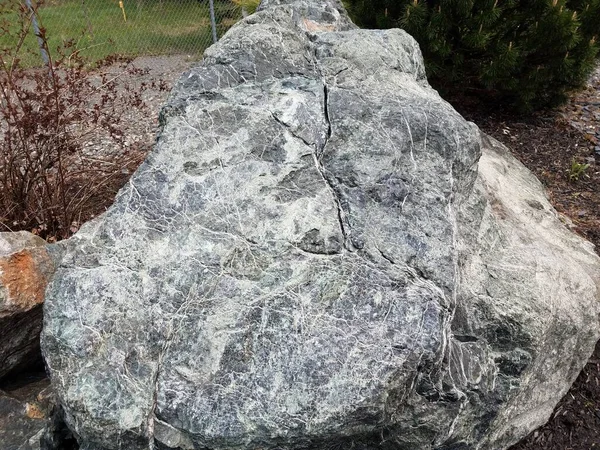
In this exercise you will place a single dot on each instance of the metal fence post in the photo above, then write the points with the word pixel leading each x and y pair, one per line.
pixel 213 22
pixel 36 30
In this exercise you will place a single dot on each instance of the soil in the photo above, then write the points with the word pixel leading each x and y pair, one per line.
pixel 562 148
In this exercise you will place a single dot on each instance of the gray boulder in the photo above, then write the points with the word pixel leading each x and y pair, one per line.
pixel 319 253
pixel 25 267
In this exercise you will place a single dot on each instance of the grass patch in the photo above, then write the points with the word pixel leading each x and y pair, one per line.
pixel 153 27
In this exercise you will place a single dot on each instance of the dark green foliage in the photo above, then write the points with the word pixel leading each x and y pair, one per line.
pixel 528 52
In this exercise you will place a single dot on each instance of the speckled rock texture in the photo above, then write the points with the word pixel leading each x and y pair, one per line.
pixel 25 267
pixel 319 253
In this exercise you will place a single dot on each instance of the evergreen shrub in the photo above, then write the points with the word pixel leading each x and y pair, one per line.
pixel 530 53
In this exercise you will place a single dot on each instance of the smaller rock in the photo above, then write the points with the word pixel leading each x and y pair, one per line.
pixel 25 267
pixel 597 150
pixel 23 422
pixel 30 417
pixel 55 435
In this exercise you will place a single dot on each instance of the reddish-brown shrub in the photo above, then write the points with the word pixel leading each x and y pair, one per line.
pixel 50 179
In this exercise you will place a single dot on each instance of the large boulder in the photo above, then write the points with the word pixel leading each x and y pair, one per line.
pixel 25 267
pixel 318 253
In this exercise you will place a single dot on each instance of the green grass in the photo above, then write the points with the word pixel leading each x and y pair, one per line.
pixel 153 27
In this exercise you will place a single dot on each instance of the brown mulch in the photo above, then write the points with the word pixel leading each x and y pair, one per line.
pixel 554 145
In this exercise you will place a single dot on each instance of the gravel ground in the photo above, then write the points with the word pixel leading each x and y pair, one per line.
pixel 156 77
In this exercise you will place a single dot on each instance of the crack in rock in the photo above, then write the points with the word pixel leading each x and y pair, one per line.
pixel 327 177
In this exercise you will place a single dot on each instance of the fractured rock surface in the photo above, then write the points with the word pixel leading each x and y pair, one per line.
pixel 318 253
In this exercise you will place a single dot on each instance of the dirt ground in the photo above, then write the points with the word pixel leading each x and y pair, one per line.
pixel 562 148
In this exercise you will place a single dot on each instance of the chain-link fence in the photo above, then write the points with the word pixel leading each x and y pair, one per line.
pixel 99 28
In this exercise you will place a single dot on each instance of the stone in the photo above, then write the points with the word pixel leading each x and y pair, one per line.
pixel 17 427
pixel 30 418
pixel 55 435
pixel 319 252
pixel 24 413
pixel 25 267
